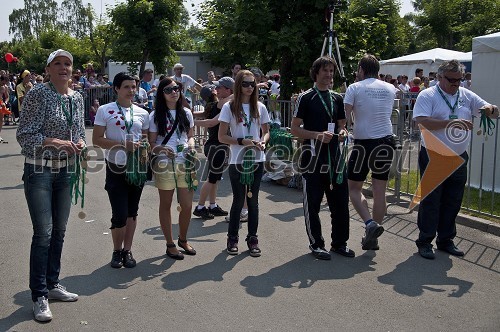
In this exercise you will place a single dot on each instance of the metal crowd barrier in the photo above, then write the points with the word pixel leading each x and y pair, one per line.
pixel 480 196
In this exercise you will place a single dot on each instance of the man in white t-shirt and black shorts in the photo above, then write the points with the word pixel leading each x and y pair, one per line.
pixel 371 101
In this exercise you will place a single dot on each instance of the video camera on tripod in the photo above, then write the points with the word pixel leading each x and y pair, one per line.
pixel 331 36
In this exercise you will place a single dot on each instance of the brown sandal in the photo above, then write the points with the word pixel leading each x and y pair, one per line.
pixel 178 256
pixel 187 251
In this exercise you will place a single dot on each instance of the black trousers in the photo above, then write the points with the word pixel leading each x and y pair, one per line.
pixel 437 211
pixel 315 186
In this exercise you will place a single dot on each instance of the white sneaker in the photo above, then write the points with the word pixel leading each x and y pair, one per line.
pixel 60 293
pixel 243 217
pixel 41 310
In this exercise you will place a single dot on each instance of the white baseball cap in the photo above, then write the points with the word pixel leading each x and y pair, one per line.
pixel 178 65
pixel 57 53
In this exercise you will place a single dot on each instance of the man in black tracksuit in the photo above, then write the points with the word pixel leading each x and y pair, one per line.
pixel 321 112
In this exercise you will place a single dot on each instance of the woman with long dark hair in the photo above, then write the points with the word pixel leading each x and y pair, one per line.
pixel 248 120
pixel 171 138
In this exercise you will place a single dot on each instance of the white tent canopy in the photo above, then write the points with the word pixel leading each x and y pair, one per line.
pixel 486 70
pixel 427 60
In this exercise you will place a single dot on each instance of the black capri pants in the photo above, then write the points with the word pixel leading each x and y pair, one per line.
pixel 216 159
pixel 124 197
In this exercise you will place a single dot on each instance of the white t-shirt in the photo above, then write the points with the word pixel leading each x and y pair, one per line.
pixel 239 130
pixel 275 88
pixel 143 96
pixel 186 80
pixel 372 102
pixel 175 139
pixel 109 116
pixel 430 104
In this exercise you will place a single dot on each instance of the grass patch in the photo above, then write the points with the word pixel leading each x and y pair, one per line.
pixel 474 199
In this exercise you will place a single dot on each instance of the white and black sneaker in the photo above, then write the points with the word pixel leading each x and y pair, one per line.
pixel 60 293
pixel 41 310
pixel 320 253
pixel 372 232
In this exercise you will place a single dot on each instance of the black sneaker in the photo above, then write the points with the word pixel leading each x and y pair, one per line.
pixel 203 213
pixel 217 211
pixel 320 253
pixel 426 252
pixel 128 259
pixel 344 251
pixel 372 232
pixel 232 245
pixel 253 246
pixel 117 259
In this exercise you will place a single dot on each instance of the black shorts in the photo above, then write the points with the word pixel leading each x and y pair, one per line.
pixel 216 159
pixel 373 155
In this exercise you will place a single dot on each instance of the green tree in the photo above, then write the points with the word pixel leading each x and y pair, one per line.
pixel 75 19
pixel 36 16
pixel 452 24
pixel 143 31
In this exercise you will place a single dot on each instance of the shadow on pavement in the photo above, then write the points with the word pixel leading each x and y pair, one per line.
pixel 415 275
pixel 212 271
pixel 311 270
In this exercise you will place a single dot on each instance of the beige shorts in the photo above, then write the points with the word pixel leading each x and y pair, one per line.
pixel 164 176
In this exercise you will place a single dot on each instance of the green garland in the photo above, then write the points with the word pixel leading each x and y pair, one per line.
pixel 137 164
pixel 281 139
pixel 486 125
pixel 246 176
pixel 78 178
pixel 343 154
pixel 190 165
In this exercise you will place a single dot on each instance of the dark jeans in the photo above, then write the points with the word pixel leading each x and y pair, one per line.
pixel 437 211
pixel 47 193
pixel 315 185
pixel 239 194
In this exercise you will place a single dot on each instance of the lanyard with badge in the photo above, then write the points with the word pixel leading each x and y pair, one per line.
pixel 452 116
pixel 180 147
pixel 246 176
pixel 128 124
pixel 67 114
pixel 331 128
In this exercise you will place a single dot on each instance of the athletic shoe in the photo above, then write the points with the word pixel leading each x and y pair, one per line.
pixel 372 232
pixel 452 250
pixel 41 310
pixel 128 259
pixel 60 293
pixel 243 217
pixel 344 251
pixel 320 253
pixel 253 246
pixel 203 213
pixel 232 245
pixel 217 211
pixel 117 259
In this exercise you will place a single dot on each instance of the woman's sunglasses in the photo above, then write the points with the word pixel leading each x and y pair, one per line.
pixel 246 84
pixel 169 89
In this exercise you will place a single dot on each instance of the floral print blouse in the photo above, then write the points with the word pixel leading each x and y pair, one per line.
pixel 43 116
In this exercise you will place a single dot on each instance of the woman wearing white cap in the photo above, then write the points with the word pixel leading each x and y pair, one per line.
pixel 51 132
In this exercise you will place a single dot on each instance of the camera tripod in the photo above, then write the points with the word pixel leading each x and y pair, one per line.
pixel 330 38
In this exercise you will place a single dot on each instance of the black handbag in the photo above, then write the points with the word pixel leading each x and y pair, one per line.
pixel 153 157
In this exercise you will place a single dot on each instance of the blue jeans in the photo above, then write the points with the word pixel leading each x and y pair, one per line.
pixel 47 193
pixel 239 194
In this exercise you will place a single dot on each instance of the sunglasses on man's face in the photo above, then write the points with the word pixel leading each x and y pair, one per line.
pixel 246 84
pixel 453 80
pixel 169 89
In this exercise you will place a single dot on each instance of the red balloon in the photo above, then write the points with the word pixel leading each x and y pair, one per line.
pixel 9 57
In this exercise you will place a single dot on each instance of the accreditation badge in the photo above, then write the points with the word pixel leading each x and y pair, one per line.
pixel 453 116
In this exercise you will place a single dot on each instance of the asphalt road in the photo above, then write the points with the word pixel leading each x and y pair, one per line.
pixel 285 289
